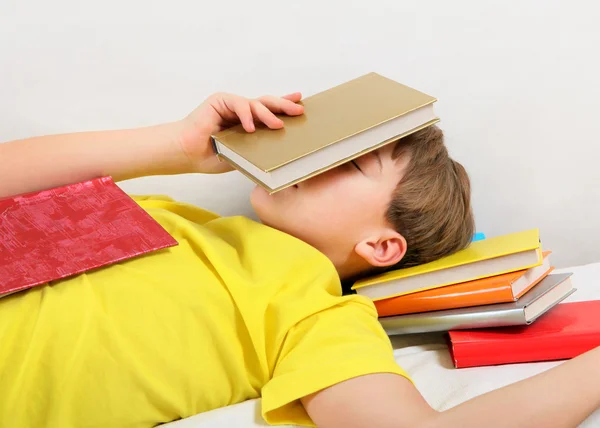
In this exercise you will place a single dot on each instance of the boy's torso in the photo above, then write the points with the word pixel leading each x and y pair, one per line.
pixel 162 336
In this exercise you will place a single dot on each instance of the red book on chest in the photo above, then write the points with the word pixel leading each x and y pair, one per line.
pixel 52 234
pixel 569 329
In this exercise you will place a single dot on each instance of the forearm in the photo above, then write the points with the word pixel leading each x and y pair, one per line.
pixel 48 161
pixel 560 397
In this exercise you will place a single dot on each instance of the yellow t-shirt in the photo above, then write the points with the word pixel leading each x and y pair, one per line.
pixel 235 311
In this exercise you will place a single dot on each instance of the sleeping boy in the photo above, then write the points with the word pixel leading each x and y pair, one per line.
pixel 242 309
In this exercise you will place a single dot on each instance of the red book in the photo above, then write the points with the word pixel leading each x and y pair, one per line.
pixel 566 331
pixel 52 234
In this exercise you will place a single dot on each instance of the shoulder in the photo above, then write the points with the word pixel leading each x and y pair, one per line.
pixel 333 345
pixel 352 315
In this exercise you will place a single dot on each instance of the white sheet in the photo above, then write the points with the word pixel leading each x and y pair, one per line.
pixel 425 357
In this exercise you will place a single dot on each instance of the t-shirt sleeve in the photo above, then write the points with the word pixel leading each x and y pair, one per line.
pixel 329 347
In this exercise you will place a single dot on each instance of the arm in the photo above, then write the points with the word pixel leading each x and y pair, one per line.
pixel 560 397
pixel 49 161
pixel 173 148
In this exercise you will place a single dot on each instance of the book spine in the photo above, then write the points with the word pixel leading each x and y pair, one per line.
pixel 451 320
pixel 215 147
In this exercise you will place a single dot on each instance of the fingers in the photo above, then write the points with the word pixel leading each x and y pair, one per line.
pixel 294 97
pixel 241 107
pixel 266 116
pixel 232 108
pixel 283 105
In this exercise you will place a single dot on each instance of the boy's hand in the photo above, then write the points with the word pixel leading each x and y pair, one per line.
pixel 221 111
pixel 171 148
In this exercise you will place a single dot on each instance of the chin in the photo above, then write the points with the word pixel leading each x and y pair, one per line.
pixel 262 204
pixel 276 211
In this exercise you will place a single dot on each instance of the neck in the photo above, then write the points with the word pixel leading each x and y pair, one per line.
pixel 352 267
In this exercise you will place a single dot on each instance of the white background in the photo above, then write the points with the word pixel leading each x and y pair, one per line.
pixel 517 82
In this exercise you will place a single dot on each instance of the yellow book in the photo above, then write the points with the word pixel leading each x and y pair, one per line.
pixel 482 259
pixel 338 125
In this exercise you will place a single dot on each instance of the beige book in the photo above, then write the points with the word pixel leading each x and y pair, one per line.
pixel 338 125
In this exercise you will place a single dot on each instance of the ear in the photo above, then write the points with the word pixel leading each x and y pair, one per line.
pixel 384 249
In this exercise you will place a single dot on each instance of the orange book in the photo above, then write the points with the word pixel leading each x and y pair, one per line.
pixel 486 291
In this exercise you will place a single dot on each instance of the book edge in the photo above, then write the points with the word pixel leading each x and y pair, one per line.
pixel 339 140
pixel 33 193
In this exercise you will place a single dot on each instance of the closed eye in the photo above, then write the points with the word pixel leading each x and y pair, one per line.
pixel 356 165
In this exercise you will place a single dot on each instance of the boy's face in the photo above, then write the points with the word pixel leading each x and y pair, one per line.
pixel 338 209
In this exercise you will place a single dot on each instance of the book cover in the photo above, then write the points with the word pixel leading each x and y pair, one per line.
pixel 489 257
pixel 55 233
pixel 550 291
pixel 568 330
pixel 486 291
pixel 368 104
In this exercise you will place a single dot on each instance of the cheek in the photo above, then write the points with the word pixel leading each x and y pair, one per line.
pixel 331 182
pixel 340 200
pixel 330 206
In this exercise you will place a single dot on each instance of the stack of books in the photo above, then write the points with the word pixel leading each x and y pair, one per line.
pixel 505 280
pixel 488 297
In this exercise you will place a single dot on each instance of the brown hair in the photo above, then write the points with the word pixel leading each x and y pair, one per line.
pixel 431 206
